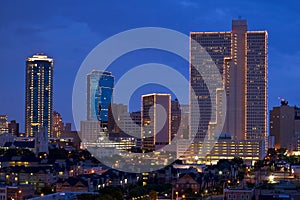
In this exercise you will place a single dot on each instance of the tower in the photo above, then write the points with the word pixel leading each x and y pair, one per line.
pixel 241 58
pixel 39 94
pixel 99 94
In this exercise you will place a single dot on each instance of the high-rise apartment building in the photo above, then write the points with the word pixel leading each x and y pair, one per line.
pixel 285 126
pixel 241 58
pixel 99 95
pixel 156 121
pixel 39 94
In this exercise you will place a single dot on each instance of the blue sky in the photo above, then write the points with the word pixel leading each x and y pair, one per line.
pixel 69 30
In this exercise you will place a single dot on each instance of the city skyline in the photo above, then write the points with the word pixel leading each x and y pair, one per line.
pixel 54 36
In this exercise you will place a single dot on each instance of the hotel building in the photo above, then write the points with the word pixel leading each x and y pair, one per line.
pixel 241 58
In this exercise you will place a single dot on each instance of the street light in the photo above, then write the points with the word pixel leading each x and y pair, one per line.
pixel 176 195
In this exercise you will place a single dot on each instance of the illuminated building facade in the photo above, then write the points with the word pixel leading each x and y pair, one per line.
pixel 225 148
pixel 39 94
pixel 99 95
pixel 57 125
pixel 241 58
pixel 3 124
pixel 156 121
pixel 285 126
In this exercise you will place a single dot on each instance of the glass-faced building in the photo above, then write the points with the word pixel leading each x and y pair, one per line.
pixel 39 94
pixel 103 98
pixel 100 86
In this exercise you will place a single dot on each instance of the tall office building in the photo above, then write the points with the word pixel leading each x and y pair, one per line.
pixel 156 121
pixel 39 94
pixel 99 95
pixel 99 98
pixel 285 125
pixel 241 58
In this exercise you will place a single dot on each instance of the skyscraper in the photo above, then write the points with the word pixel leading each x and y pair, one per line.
pixel 241 58
pixel 100 86
pixel 99 95
pixel 156 121
pixel 39 94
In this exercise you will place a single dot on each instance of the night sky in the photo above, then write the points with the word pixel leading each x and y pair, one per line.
pixel 69 30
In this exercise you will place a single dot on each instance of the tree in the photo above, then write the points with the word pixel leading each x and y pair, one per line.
pixel 47 190
pixel 237 160
pixel 114 192
pixel 137 191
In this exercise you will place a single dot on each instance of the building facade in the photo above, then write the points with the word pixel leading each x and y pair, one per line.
pixel 89 131
pixel 57 125
pixel 3 124
pixel 156 121
pixel 13 127
pixel 285 126
pixel 114 117
pixel 39 94
pixel 225 148
pixel 99 95
pixel 241 58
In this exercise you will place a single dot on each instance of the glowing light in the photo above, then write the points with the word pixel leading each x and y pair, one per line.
pixel 271 178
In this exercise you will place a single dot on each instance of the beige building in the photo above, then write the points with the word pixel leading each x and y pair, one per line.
pixel 285 126
pixel 89 131
pixel 240 57
pixel 249 150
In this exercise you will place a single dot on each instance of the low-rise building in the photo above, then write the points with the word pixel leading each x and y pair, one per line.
pixel 72 184
pixel 238 194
